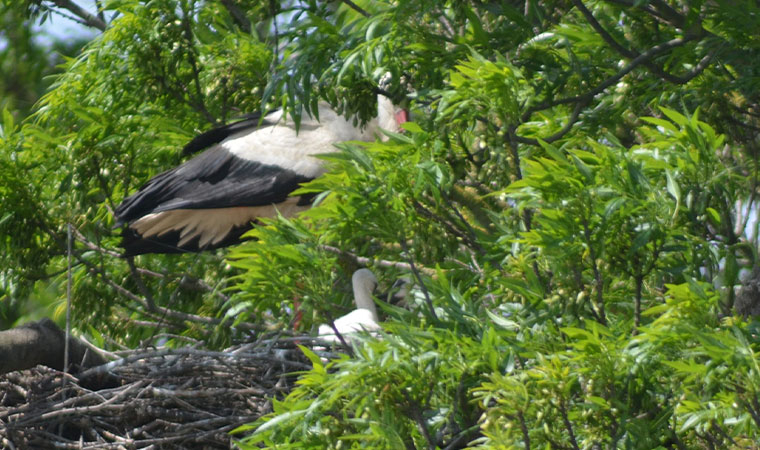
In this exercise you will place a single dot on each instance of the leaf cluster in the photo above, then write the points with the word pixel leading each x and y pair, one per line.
pixel 572 240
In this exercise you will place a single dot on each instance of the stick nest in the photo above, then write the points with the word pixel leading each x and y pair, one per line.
pixel 157 398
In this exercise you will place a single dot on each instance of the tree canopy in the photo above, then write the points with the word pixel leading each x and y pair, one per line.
pixel 574 202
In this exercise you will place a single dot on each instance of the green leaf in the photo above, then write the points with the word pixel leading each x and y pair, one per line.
pixel 6 217
pixel 687 367
pixel 503 322
pixel 411 127
pixel 672 186
pixel 7 127
pixel 713 216
pixel 284 417
pixel 661 123
pixel 316 361
pixel 613 206
pixel 599 401
pixel 583 169
pixel 676 117
pixel 553 152
pixel 575 333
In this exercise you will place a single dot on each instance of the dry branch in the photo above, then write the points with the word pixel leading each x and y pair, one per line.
pixel 162 398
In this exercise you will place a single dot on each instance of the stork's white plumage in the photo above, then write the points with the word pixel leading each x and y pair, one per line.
pixel 248 170
pixel 363 318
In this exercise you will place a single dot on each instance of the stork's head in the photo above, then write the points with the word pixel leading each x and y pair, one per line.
pixel 390 114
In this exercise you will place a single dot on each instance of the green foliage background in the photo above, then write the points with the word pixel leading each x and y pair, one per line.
pixel 575 202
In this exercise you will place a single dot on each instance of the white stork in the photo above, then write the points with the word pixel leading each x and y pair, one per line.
pixel 248 170
pixel 363 318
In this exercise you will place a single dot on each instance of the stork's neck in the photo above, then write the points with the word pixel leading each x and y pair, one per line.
pixel 386 114
pixel 364 283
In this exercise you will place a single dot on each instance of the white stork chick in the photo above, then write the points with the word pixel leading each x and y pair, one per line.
pixel 248 171
pixel 363 318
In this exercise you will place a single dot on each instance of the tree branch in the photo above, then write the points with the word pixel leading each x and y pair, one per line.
pixel 558 135
pixel 598 281
pixel 364 261
pixel 416 273
pixel 632 54
pixel 723 433
pixel 639 60
pixel 89 19
pixel 194 64
pixel 469 240
pixel 237 15
pixel 663 11
pixel 414 409
pixel 99 7
pixel 754 409
pixel 355 7
pixel 568 425
pixel 524 429
pixel 151 304
pixel 170 313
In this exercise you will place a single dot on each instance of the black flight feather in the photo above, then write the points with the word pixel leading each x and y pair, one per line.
pixel 213 179
pixel 134 244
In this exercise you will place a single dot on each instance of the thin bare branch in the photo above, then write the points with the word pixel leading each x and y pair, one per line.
pixel 151 304
pixel 632 54
pixel 355 7
pixel 669 17
pixel 568 425
pixel 558 135
pixel 417 276
pixel 364 261
pixel 166 312
pixel 587 96
pixel 237 15
pixel 665 11
pixel 92 246
pixel 99 7
pixel 88 19
pixel 200 103
pixel 524 429
pixel 448 225
pixel 167 398
pixel 416 413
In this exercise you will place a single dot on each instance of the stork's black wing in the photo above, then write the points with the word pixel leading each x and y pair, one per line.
pixel 216 179
pixel 213 179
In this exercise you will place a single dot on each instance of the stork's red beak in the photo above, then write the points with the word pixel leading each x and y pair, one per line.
pixel 402 116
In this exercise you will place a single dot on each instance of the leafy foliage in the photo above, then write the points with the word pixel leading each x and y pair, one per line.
pixel 574 203
pixel 102 129
pixel 593 356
